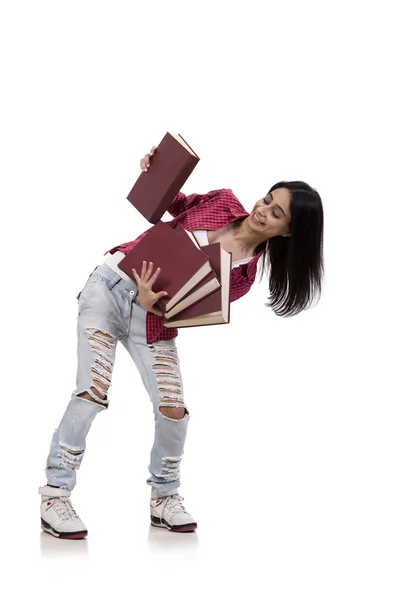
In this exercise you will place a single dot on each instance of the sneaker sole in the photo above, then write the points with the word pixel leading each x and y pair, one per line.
pixel 157 522
pixel 70 535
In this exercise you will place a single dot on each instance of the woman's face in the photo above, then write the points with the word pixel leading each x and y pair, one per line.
pixel 271 215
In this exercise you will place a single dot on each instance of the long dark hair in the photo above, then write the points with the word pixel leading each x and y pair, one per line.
pixel 296 263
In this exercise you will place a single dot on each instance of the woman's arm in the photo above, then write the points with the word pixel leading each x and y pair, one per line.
pixel 182 202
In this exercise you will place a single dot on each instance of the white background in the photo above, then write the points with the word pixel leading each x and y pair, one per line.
pixel 292 460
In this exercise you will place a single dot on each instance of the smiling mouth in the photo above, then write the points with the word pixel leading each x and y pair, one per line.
pixel 256 219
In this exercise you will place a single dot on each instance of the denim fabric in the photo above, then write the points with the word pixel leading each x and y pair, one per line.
pixel 109 312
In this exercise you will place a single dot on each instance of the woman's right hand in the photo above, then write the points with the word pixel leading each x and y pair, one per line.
pixel 145 283
pixel 145 162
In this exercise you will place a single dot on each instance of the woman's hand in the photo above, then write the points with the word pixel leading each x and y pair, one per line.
pixel 145 283
pixel 145 162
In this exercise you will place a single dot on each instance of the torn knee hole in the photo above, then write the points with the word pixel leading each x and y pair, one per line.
pixel 173 410
pixel 100 344
pixel 93 396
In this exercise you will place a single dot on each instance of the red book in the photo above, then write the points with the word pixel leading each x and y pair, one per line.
pixel 215 308
pixel 206 287
pixel 171 165
pixel 182 264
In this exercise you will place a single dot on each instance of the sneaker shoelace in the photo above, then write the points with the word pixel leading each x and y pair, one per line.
pixel 174 504
pixel 64 509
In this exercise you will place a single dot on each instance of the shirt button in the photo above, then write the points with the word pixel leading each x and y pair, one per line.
pixel 131 293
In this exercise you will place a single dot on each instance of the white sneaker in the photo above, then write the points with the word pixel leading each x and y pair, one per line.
pixel 58 515
pixel 169 512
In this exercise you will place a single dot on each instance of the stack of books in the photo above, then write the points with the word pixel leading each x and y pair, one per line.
pixel 196 278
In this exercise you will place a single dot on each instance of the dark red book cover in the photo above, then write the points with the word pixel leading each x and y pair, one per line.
pixel 171 165
pixel 172 250
pixel 216 305
pixel 213 252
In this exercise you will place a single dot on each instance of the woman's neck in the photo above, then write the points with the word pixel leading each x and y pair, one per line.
pixel 247 239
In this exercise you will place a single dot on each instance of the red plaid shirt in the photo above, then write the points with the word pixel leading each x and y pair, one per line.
pixel 201 211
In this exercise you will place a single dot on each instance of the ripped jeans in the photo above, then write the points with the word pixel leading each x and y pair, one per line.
pixel 109 311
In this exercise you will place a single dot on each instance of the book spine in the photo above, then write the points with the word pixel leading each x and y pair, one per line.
pixel 165 301
pixel 168 325
pixel 166 315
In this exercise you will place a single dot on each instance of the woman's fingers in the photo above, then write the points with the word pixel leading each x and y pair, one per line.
pixel 147 278
pixel 154 278
pixel 144 270
pixel 159 295
pixel 145 283
pixel 145 162
pixel 148 273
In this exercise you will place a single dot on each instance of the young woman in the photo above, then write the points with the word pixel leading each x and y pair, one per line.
pixel 284 228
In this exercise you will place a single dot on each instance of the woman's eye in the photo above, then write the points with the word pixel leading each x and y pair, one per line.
pixel 273 212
